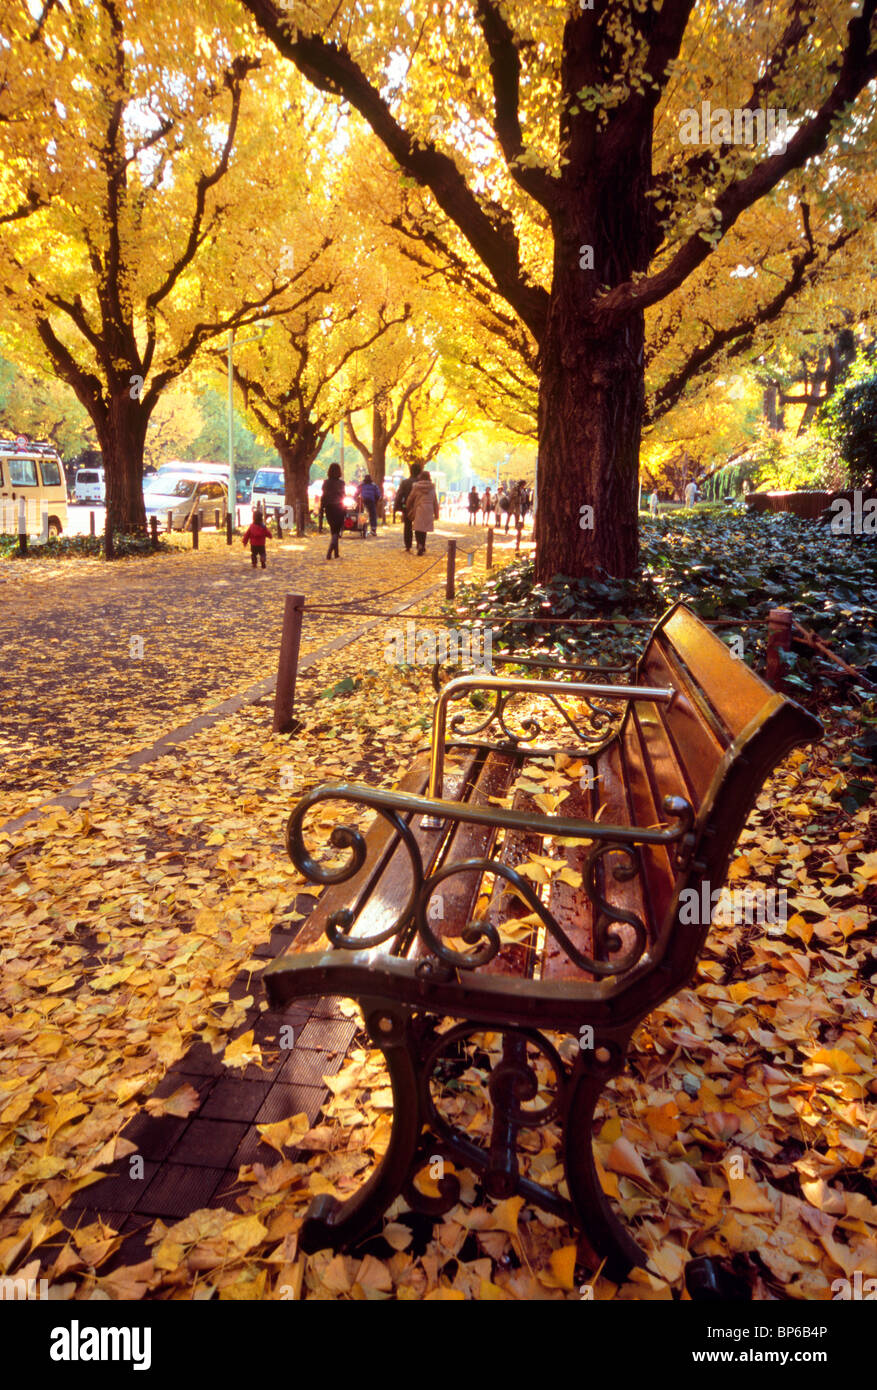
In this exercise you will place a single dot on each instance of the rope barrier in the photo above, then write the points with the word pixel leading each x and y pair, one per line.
pixel 566 622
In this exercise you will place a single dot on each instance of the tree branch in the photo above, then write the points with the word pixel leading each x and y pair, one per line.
pixel 330 67
pixel 857 69
pixel 505 74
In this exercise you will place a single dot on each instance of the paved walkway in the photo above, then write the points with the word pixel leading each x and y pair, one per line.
pixel 107 659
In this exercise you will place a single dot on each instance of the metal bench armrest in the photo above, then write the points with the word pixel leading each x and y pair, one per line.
pixel 507 686
pixel 399 807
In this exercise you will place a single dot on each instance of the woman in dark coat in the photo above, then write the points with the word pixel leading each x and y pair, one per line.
pixel 333 506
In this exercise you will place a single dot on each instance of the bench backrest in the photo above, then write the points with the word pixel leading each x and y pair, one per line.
pixel 715 745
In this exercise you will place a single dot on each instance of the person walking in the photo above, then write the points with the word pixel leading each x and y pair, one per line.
pixel 691 490
pixel 369 496
pixel 486 507
pixel 422 508
pixel 332 503
pixel 525 500
pixel 255 536
pixel 473 505
pixel 400 503
pixel 653 503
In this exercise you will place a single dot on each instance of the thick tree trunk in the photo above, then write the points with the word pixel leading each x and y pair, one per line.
pixel 121 432
pixel 592 370
pixel 297 456
pixel 591 398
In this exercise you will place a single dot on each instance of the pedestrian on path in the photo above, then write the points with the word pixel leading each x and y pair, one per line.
pixel 653 503
pixel 422 509
pixel 400 503
pixel 473 506
pixel 486 507
pixel 369 496
pixel 333 505
pixel 255 536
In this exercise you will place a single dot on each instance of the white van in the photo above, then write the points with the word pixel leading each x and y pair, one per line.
pixel 32 472
pixel 182 489
pixel 90 485
pixel 269 491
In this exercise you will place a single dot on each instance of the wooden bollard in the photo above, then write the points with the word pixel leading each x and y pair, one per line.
pixel 153 531
pixel 284 694
pixel 519 529
pixel 170 521
pixel 279 526
pixel 451 580
pixel 216 518
pixel 228 528
pixel 91 530
pixel 490 547
pixel 196 527
pixel 779 639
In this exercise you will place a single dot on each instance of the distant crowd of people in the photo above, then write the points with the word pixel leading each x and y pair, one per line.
pixel 513 503
pixel 415 498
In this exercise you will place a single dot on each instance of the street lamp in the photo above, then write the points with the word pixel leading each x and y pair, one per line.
pixel 257 337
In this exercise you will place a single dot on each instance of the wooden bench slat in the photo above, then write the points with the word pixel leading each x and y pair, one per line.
pixel 460 892
pixel 515 958
pixel 735 692
pixel 657 870
pixel 571 907
pixel 694 738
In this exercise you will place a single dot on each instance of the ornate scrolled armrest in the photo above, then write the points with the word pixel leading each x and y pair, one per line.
pixel 395 806
pixel 505 687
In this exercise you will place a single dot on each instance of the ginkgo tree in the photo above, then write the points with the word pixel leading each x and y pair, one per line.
pixel 144 207
pixel 555 138
pixel 387 415
pixel 315 366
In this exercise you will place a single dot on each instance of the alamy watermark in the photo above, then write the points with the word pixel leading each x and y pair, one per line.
pixel 860 1290
pixel 719 126
pixel 23 1288
pixel 858 517
pixel 755 906
pixel 424 647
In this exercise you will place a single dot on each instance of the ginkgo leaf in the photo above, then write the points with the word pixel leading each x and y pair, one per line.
pixel 243 1052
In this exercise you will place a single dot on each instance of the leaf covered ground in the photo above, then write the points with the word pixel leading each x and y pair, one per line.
pixel 743 1127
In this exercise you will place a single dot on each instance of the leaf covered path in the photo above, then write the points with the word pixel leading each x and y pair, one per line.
pixel 135 930
pixel 102 660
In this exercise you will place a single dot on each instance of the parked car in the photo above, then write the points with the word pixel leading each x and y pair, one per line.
pixel 36 473
pixel 90 485
pixel 182 492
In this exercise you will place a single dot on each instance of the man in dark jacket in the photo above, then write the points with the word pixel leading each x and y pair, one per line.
pixel 369 496
pixel 400 502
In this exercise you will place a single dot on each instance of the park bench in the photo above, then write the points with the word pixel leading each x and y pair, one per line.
pixel 672 765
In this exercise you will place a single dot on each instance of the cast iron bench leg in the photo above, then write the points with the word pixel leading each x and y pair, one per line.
pixel 597 1220
pixel 330 1223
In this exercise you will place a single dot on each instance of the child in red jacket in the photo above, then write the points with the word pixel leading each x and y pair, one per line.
pixel 256 534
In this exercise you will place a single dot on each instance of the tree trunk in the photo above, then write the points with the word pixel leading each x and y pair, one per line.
pixel 378 461
pixel 297 455
pixel 121 432
pixel 591 399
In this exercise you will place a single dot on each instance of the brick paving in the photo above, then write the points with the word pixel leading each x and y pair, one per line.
pixel 194 1162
